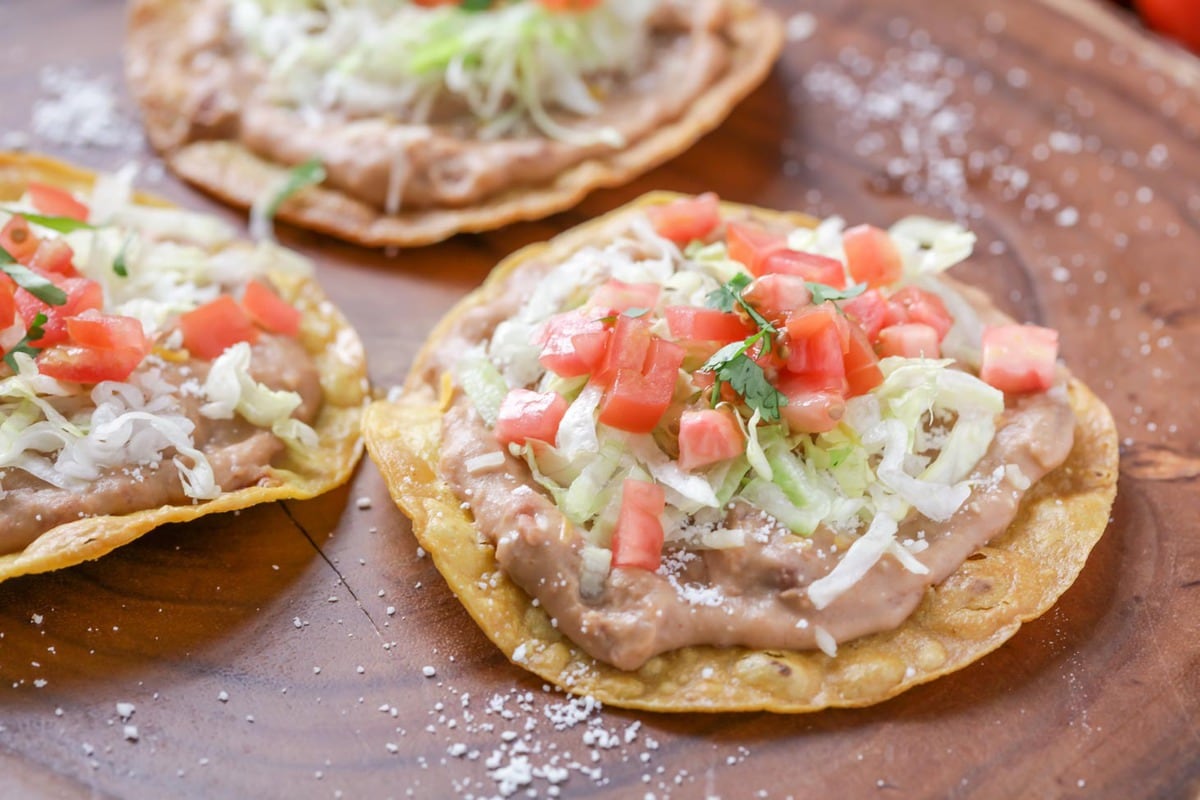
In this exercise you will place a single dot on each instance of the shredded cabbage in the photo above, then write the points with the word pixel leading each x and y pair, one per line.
pixel 513 67
pixel 229 389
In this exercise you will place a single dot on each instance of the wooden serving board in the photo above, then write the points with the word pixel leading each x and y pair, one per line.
pixel 309 650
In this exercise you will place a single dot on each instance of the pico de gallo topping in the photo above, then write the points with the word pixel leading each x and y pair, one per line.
pixel 826 376
pixel 95 301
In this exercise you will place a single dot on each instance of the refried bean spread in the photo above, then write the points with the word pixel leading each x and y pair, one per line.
pixel 148 362
pixel 707 427
pixel 416 108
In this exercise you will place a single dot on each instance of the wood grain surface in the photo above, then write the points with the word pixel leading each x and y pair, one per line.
pixel 309 650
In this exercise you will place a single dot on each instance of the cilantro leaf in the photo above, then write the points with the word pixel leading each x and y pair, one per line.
pixel 822 292
pixel 476 5
pixel 728 296
pixel 35 331
pixel 310 173
pixel 748 379
pixel 30 281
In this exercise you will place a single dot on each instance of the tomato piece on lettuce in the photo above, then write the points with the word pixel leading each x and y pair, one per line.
pixel 815 403
pixel 628 348
pixel 708 436
pixel 686 219
pixel 751 244
pixel 215 326
pixel 871 256
pixel 776 295
pixel 618 296
pixel 862 365
pixel 693 324
pixel 912 304
pixel 71 362
pixel 637 399
pixel 1019 358
pixel 527 415
pixel 909 340
pixel 54 256
pixel 82 294
pixel 868 310
pixel 573 343
pixel 637 540
pixel 818 338
pixel 809 266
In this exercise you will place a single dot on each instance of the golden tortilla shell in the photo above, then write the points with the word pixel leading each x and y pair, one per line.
pixel 1016 578
pixel 325 334
pixel 229 171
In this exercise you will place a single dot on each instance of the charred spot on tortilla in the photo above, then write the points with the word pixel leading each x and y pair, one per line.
pixel 695 456
pixel 156 369
pixel 433 121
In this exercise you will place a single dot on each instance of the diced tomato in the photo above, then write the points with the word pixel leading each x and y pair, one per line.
pixel 912 304
pixel 8 302
pixel 818 338
pixel 573 343
pixel 1019 358
pixel 809 266
pixel 82 294
pixel 686 219
pixel 526 414
pixel 107 331
pixel 215 326
pixel 871 256
pixel 707 436
pixel 704 382
pixel 815 403
pixel 868 310
pixel 862 365
pixel 706 324
pixel 619 296
pixel 56 256
pixel 638 537
pixel 751 245
pixel 636 400
pixel 628 348
pixel 909 340
pixel 72 362
pixel 568 5
pixel 18 239
pixel 776 295
pixel 55 202
pixel 270 311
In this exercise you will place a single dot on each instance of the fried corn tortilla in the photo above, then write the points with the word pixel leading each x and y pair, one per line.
pixel 1014 578
pixel 196 120
pixel 294 473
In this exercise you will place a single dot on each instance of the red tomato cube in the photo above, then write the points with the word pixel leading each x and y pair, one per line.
pixel 750 244
pixel 776 295
pixel 871 256
pixel 572 343
pixel 706 325
pixel 686 219
pixel 55 202
pixel 815 403
pixel 18 239
pixel 617 296
pixel 526 415
pixel 637 540
pixel 909 340
pixel 912 304
pixel 270 311
pixel 868 310
pixel 215 326
pixel 809 266
pixel 862 365
pixel 1019 358
pixel 707 436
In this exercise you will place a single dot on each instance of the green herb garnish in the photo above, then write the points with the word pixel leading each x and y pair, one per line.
pixel 732 364
pixel 310 173
pixel 821 292
pixel 120 265
pixel 35 331
pixel 30 281
pixel 60 224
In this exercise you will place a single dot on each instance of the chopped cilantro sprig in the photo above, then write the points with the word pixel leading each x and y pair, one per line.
pixel 30 281
pixel 733 364
pixel 36 331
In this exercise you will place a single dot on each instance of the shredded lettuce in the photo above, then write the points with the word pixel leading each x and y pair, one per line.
pixel 515 66
pixel 229 389
pixel 483 385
